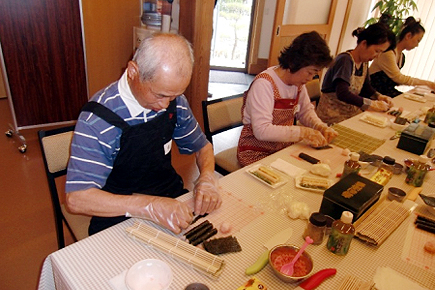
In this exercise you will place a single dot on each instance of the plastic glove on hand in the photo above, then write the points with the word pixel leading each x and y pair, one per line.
pixel 312 137
pixel 168 212
pixel 387 100
pixel 206 193
pixel 379 106
pixel 329 134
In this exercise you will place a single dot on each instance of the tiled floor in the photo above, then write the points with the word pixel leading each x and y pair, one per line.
pixel 27 225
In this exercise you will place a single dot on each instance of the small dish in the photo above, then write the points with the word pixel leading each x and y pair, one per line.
pixel 283 254
pixel 196 286
pixel 397 168
pixel 396 194
pixel 398 127
pixel 149 274
pixel 267 175
pixel 428 201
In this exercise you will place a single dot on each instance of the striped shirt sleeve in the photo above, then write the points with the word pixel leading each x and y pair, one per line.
pixel 188 134
pixel 93 150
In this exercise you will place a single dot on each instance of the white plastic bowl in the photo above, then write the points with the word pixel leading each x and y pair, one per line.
pixel 150 274
pixel 398 127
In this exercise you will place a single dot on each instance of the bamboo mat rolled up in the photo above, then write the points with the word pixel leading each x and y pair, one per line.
pixel 353 283
pixel 198 258
pixel 376 228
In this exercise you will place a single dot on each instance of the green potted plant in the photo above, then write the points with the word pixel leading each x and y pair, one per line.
pixel 393 13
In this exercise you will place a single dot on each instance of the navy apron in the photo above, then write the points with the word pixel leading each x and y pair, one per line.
pixel 141 165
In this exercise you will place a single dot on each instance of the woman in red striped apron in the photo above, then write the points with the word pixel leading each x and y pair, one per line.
pixel 278 96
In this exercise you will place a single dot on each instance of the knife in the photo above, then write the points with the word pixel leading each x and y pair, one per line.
pixel 279 238
pixel 314 280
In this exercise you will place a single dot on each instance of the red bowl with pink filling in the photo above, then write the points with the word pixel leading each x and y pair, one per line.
pixel 283 254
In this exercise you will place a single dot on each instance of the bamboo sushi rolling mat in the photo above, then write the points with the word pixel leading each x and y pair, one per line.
pixel 196 257
pixel 355 141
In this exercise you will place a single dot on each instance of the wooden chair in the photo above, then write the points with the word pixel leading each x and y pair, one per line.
pixel 222 127
pixel 55 147
pixel 313 88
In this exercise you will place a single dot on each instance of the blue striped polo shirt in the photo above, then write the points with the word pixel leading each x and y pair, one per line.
pixel 96 143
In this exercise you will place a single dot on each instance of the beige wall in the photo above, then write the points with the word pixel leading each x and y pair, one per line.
pixel 108 33
pixel 337 43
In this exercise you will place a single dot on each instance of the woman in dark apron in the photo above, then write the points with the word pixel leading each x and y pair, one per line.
pixel 346 89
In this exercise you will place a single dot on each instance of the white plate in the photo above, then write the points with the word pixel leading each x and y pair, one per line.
pixel 283 178
pixel 298 180
pixel 375 120
pixel 414 97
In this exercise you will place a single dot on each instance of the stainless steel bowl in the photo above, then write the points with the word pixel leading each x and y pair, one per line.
pixel 396 194
pixel 290 250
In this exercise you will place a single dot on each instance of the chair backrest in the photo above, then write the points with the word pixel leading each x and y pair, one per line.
pixel 222 114
pixel 55 146
pixel 313 88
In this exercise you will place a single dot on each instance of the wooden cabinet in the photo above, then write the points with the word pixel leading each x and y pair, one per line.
pixel 44 60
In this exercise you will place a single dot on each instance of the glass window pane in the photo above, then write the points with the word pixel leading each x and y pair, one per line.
pixel 231 26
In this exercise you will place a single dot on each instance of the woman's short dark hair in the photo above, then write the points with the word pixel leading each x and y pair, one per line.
pixel 411 25
pixel 308 49
pixel 374 34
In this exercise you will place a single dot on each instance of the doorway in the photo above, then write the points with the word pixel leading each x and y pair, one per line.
pixel 232 22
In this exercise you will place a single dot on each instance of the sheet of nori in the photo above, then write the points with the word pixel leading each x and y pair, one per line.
pixel 222 245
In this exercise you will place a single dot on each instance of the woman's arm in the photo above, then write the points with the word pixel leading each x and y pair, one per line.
pixel 342 89
pixel 259 108
pixel 387 63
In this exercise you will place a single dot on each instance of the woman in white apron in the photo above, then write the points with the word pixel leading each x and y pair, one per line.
pixel 346 89
pixel 278 96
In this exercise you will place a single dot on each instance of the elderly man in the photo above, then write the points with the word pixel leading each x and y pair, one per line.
pixel 120 161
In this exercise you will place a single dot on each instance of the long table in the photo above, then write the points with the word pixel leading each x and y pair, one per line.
pixel 92 262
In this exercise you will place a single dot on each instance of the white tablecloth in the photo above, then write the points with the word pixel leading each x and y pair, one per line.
pixel 92 262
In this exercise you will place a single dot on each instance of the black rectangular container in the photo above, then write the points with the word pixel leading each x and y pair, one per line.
pixel 353 193
pixel 416 138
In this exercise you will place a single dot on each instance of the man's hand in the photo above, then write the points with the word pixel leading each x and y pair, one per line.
pixel 167 212
pixel 206 193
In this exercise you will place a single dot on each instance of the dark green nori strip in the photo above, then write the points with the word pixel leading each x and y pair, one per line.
pixel 199 233
pixel 198 217
pixel 205 237
pixel 197 228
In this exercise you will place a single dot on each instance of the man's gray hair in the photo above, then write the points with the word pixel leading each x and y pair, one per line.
pixel 161 49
